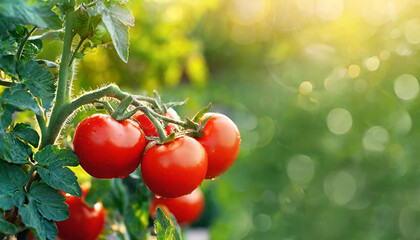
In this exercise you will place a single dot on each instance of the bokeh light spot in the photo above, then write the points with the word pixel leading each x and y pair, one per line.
pixel 375 138
pixel 406 87
pixel 305 88
pixel 340 187
pixel 339 121
pixel 329 9
pixel 353 71
pixel 263 222
pixel 372 63
pixel 412 31
pixel 360 85
pixel 301 169
pixel 384 54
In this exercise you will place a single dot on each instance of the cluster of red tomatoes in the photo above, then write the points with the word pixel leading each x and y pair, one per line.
pixel 173 171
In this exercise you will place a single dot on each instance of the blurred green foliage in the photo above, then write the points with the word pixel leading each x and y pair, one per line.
pixel 325 94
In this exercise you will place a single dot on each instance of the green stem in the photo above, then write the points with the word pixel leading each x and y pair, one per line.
pixel 69 82
pixel 22 44
pixel 149 100
pixel 6 83
pixel 76 50
pixel 30 177
pixel 170 120
pixel 65 59
pixel 42 125
pixel 57 120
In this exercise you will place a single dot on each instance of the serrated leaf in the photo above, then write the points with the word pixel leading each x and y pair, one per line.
pixel 99 189
pixel 19 97
pixel 49 202
pixel 39 15
pixel 51 154
pixel 39 81
pixel 12 181
pixel 25 132
pixel 165 228
pixel 41 228
pixel 117 19
pixel 14 150
pixel 8 64
pixel 6 227
pixel 61 178
pixel 201 113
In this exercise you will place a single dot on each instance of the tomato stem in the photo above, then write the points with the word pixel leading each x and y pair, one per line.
pixel 22 44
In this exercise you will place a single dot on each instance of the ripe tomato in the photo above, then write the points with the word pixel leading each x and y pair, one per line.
pixel 186 209
pixel 175 168
pixel 149 128
pixel 108 148
pixel 84 223
pixel 222 141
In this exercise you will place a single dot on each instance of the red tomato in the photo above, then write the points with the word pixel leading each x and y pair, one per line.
pixel 149 128
pixel 108 148
pixel 84 223
pixel 186 209
pixel 175 168
pixel 222 141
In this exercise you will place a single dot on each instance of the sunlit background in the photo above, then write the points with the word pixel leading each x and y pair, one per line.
pixel 325 93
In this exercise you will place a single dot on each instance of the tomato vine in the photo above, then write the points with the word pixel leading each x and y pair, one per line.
pixel 34 168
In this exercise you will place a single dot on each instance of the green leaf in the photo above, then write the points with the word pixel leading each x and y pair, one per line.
pixel 25 132
pixel 62 178
pixel 165 228
pixel 41 228
pixel 19 97
pixel 51 154
pixel 47 63
pixel 14 150
pixel 8 65
pixel 49 202
pixel 39 15
pixel 39 81
pixel 12 181
pixel 117 19
pixel 201 113
pixel 99 189
pixel 6 227
pixel 136 219
pixel 5 117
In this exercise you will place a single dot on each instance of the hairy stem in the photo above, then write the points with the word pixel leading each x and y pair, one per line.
pixel 76 50
pixel 170 120
pixel 57 121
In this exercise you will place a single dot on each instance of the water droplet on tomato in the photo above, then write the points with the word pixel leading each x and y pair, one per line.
pixel 158 197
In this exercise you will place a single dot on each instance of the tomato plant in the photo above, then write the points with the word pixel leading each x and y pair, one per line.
pixel 84 222
pixel 34 166
pixel 108 148
pixel 181 163
pixel 186 209
pixel 222 140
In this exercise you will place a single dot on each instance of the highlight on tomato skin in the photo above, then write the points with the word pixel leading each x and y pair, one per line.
pixel 221 140
pixel 108 148
pixel 186 209
pixel 176 168
pixel 84 222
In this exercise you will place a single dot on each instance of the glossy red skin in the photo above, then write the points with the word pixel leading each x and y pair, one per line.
pixel 186 209
pixel 108 148
pixel 149 128
pixel 84 223
pixel 175 168
pixel 222 141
